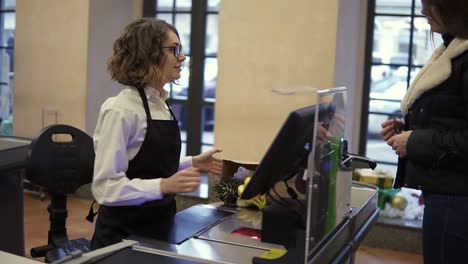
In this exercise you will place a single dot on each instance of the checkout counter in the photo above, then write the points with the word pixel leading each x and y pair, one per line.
pixel 324 225
pixel 215 240
pixel 200 234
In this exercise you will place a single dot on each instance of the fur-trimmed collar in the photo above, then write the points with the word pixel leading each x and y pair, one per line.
pixel 435 71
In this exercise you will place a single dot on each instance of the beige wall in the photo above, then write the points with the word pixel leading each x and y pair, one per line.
pixel 62 46
pixel 50 62
pixel 61 49
pixel 107 19
pixel 349 63
pixel 264 45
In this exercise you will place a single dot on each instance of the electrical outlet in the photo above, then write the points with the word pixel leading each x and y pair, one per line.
pixel 49 116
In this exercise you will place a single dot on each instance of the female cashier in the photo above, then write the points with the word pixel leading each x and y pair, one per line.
pixel 137 170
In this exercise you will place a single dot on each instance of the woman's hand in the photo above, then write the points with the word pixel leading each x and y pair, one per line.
pixel 207 162
pixel 391 128
pixel 322 134
pixel 398 143
pixel 183 181
pixel 337 125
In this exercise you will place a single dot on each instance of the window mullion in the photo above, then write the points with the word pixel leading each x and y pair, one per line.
pixel 149 7
pixel 367 76
pixel 195 92
pixel 410 55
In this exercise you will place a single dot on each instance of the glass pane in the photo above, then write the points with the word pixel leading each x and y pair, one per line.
pixel 378 150
pixel 391 40
pixel 423 43
pixel 213 5
pixel 414 71
pixel 388 83
pixel 388 169
pixel 379 72
pixel 208 125
pixel 6 101
pixel 183 5
pixel 169 18
pixel 183 150
pixel 164 5
pixel 328 213
pixel 389 108
pixel 183 24
pixel 211 47
pixel 4 66
pixel 8 31
pixel 180 113
pixel 205 148
pixel 180 91
pixel 202 191
pixel 417 8
pixel 375 120
pixel 8 5
pixel 393 7
pixel 211 76
pixel 7 62
pixel 168 88
pixel 6 89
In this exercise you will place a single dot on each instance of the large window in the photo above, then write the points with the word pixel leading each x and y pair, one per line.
pixel 399 43
pixel 7 40
pixel 193 98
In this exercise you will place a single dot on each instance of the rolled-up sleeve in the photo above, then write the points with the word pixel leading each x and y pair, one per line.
pixel 185 162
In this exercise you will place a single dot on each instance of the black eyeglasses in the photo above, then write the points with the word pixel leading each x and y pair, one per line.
pixel 177 50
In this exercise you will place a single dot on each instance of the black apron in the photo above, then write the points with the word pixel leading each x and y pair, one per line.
pixel 158 157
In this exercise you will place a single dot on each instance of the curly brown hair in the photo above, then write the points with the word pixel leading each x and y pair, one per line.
pixel 137 58
pixel 454 14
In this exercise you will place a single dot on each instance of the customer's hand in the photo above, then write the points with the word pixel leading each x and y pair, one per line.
pixel 323 135
pixel 398 143
pixel 207 162
pixel 186 180
pixel 337 125
pixel 390 128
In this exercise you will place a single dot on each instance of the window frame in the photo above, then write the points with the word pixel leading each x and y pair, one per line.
pixel 195 103
pixel 372 14
pixel 3 47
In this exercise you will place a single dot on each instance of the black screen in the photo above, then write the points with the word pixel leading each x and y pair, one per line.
pixel 289 151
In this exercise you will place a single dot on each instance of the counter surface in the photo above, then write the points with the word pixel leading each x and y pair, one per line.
pixel 13 153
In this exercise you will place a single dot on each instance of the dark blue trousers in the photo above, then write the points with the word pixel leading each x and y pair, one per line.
pixel 445 228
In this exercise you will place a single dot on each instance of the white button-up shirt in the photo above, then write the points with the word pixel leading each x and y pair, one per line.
pixel 119 135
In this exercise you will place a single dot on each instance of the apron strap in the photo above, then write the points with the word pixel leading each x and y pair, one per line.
pixel 92 214
pixel 142 93
pixel 145 104
pixel 170 110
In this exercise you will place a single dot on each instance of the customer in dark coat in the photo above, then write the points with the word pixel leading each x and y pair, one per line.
pixel 432 142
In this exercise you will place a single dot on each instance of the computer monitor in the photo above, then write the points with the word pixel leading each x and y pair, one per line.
pixel 290 149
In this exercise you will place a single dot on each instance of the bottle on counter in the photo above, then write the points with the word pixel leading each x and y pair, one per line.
pixel 6 127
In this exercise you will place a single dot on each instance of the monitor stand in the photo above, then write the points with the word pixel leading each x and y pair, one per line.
pixel 283 223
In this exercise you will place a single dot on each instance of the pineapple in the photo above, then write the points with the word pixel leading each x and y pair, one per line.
pixel 226 191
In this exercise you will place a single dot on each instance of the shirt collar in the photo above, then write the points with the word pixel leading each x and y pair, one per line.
pixel 152 93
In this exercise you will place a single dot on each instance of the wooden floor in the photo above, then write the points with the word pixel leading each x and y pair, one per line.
pixel 36 225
